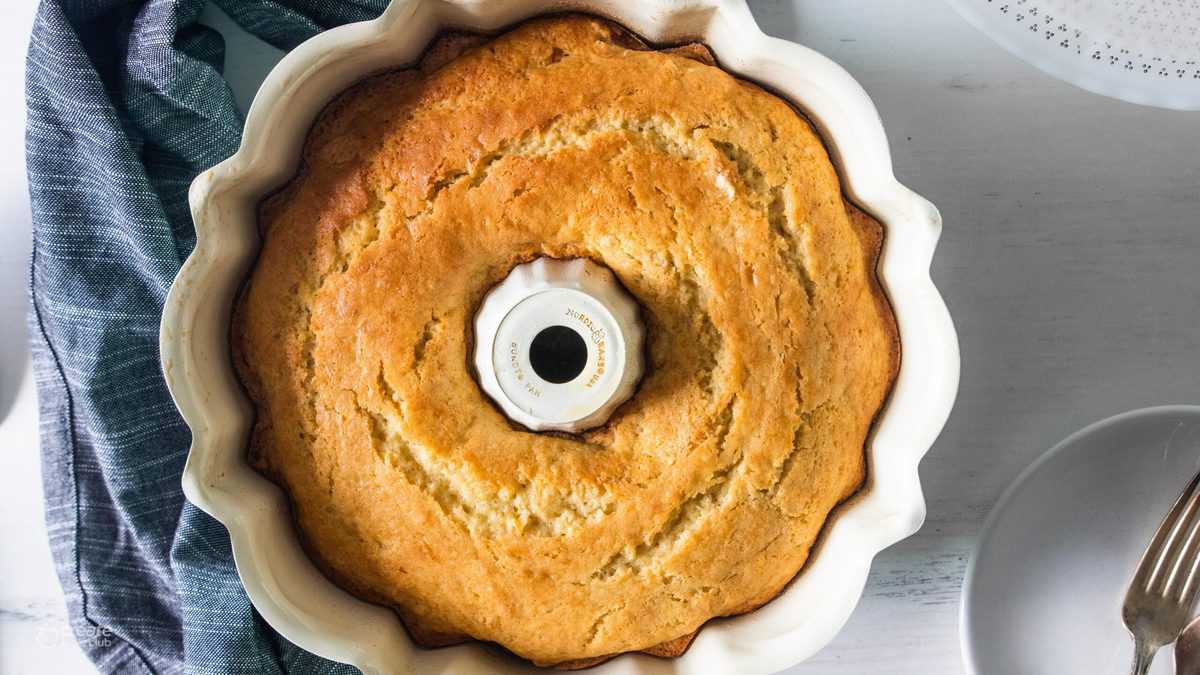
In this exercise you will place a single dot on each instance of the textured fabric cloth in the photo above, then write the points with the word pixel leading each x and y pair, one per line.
pixel 126 105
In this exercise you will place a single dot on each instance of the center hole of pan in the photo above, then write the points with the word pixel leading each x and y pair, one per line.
pixel 558 354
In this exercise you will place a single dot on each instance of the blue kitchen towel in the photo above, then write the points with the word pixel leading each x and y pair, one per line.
pixel 126 105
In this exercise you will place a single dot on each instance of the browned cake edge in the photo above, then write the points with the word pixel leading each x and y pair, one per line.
pixel 445 47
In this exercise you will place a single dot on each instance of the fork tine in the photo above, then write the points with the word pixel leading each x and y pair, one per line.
pixel 1153 558
pixel 1171 556
pixel 1184 567
pixel 1187 593
pixel 1187 597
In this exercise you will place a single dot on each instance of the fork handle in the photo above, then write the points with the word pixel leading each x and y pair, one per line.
pixel 1143 654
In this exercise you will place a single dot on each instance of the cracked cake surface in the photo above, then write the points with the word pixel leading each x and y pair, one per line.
pixel 771 346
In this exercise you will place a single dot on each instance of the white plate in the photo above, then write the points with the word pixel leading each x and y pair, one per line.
pixel 1044 587
pixel 1141 51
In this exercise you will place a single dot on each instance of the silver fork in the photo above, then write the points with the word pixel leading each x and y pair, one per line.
pixel 1159 601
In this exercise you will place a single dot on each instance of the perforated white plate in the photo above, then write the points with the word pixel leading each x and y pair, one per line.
pixel 1141 51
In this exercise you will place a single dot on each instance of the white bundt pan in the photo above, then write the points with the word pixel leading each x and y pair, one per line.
pixel 285 587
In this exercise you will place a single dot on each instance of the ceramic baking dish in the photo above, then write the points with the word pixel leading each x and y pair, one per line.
pixel 284 585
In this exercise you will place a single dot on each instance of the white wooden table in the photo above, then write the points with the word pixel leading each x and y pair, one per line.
pixel 1070 261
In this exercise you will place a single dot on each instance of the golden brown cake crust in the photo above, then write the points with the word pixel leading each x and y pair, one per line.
pixel 771 350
